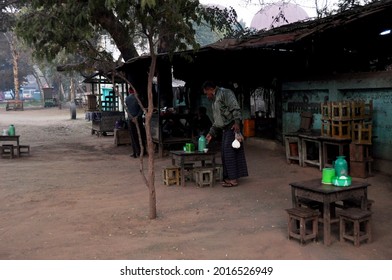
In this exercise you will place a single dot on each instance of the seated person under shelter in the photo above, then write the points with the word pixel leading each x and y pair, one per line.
pixel 201 122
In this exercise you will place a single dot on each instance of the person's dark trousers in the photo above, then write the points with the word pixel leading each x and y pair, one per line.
pixel 135 137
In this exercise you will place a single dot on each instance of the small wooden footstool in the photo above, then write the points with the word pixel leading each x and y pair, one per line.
pixel 355 217
pixel 171 175
pixel 298 220
pixel 7 151
pixel 204 177
pixel 24 149
pixel 356 203
pixel 218 171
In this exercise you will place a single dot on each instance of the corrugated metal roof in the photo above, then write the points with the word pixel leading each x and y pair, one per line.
pixel 295 32
pixel 347 41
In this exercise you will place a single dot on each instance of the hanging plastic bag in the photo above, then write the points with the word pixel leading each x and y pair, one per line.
pixel 236 144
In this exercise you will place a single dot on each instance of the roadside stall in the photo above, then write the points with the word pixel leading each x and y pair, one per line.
pixel 173 126
pixel 104 104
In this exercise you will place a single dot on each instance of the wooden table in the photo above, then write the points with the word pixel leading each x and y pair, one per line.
pixel 8 139
pixel 324 156
pixel 328 194
pixel 293 139
pixel 179 158
pixel 342 149
pixel 315 139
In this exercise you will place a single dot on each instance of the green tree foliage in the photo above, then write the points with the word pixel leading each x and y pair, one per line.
pixel 7 10
pixel 52 26
pixel 349 4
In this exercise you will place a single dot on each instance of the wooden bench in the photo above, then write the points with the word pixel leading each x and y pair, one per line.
pixel 297 224
pixel 355 217
pixel 14 105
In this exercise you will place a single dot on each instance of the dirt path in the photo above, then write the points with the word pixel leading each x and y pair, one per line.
pixel 78 196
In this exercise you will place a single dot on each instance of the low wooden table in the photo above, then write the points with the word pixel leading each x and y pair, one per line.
pixel 8 139
pixel 179 158
pixel 328 194
pixel 293 139
pixel 315 139
pixel 322 144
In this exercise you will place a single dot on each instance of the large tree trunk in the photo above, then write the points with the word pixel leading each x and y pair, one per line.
pixel 117 31
pixel 72 90
pixel 37 73
pixel 15 61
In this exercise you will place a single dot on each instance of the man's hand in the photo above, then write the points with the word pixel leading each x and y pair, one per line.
pixel 236 127
pixel 208 138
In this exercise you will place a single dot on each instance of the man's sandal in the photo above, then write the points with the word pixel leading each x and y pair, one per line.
pixel 226 184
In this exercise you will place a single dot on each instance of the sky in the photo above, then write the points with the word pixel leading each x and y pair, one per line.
pixel 246 12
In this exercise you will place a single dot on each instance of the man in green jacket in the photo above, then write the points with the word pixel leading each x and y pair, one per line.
pixel 227 119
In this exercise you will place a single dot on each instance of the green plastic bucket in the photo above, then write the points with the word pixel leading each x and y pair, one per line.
pixel 327 176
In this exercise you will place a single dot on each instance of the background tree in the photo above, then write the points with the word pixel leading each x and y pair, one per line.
pixel 8 11
pixel 52 27
pixel 14 66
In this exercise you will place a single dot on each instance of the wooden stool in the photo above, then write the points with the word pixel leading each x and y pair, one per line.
pixel 356 203
pixel 302 216
pixel 24 149
pixel 315 205
pixel 188 168
pixel 171 175
pixel 218 171
pixel 204 177
pixel 355 217
pixel 7 150
pixel 122 137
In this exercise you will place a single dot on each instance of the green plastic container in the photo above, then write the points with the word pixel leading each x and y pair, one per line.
pixel 190 147
pixel 340 165
pixel 327 175
pixel 201 143
pixel 11 130
pixel 342 181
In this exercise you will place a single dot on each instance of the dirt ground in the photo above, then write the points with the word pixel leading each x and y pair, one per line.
pixel 79 196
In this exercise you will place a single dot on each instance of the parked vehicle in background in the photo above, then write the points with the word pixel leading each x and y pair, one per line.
pixel 9 95
pixel 2 96
pixel 27 93
pixel 26 96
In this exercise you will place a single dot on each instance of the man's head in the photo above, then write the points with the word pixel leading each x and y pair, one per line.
pixel 209 88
